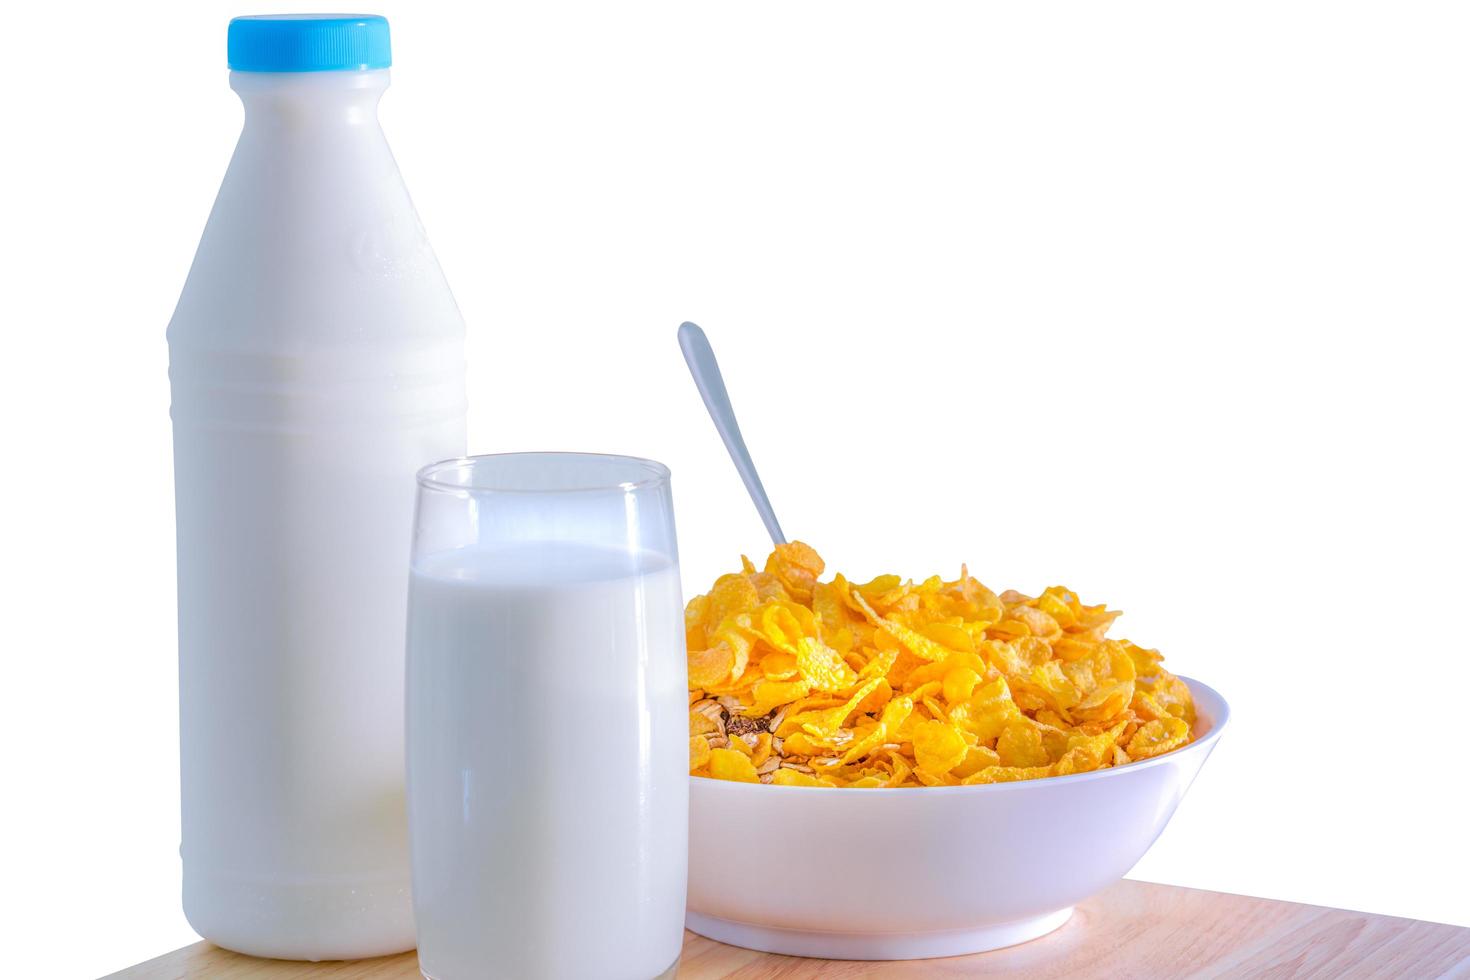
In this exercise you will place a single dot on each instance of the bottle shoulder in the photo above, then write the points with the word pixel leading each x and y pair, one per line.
pixel 312 244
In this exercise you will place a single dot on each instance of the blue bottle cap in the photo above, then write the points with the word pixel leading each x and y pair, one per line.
pixel 309 42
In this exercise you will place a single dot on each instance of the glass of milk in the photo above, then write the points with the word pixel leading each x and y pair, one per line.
pixel 547 719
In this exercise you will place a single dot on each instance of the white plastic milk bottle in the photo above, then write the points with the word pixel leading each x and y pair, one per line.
pixel 317 361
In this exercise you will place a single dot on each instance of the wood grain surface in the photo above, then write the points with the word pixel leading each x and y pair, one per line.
pixel 1131 930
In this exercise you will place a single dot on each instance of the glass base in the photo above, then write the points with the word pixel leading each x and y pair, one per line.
pixel 668 974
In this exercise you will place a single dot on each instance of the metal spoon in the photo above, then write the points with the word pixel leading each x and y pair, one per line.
pixel 706 371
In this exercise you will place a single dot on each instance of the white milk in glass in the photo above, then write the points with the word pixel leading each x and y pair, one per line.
pixel 548 762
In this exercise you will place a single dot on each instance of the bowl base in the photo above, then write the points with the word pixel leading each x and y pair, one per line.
pixel 875 946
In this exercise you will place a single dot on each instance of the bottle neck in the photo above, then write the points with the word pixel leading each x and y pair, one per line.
pixel 317 98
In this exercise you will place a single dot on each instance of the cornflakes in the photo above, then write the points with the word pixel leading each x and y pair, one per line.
pixel 799 682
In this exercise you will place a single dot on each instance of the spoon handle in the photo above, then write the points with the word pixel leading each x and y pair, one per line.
pixel 706 371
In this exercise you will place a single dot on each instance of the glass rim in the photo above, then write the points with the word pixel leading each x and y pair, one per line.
pixel 430 477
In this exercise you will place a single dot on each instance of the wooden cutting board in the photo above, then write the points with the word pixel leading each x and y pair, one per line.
pixel 1131 930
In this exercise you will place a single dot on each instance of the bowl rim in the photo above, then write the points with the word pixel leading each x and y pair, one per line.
pixel 1219 720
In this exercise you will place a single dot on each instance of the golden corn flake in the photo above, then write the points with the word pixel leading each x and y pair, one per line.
pixel 699 751
pixel 891 683
pixel 1157 737
pixel 938 747
pixel 709 668
pixel 822 667
pixel 791 777
pixel 1020 745
pixel 727 764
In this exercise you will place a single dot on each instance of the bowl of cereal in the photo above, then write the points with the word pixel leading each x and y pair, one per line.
pixel 1018 760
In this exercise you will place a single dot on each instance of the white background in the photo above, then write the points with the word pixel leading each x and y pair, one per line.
pixel 1165 302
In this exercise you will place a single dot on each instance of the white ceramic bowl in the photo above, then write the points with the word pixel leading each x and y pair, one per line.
pixel 937 871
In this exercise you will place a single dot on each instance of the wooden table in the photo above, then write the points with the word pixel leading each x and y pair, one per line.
pixel 1131 930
